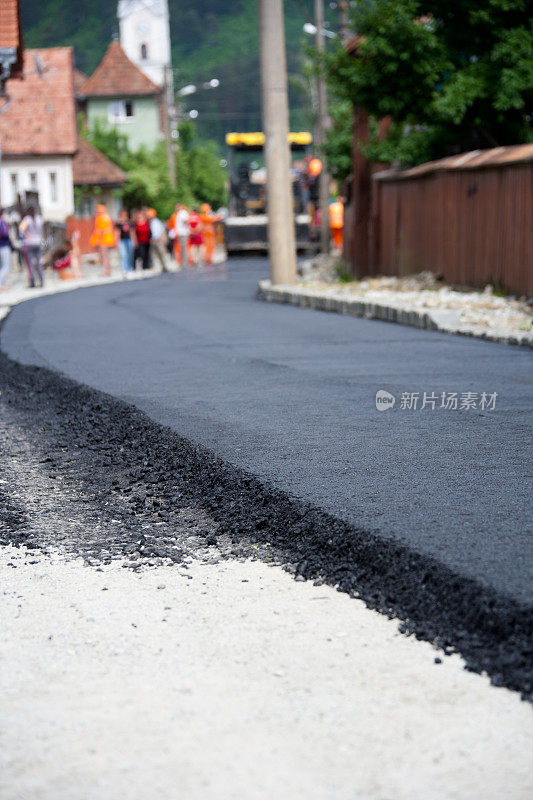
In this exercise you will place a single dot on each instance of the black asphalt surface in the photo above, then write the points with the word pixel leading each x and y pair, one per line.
pixel 288 395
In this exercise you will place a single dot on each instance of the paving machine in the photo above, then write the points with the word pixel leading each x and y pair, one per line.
pixel 245 228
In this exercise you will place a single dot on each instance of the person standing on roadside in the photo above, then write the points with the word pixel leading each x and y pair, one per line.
pixel 336 222
pixel 182 233
pixel 5 251
pixel 195 237
pixel 103 237
pixel 157 232
pixel 143 236
pixel 208 232
pixel 171 234
pixel 31 230
pixel 124 227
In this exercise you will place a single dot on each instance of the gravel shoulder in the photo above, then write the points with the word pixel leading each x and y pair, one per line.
pixel 232 680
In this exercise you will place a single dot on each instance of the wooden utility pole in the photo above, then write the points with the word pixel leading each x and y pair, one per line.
pixel 342 5
pixel 281 235
pixel 320 136
pixel 168 106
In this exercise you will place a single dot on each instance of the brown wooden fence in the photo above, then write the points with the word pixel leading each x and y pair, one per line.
pixel 468 218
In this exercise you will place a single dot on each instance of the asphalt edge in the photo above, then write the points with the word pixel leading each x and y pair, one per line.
pixel 66 286
pixel 360 308
pixel 492 632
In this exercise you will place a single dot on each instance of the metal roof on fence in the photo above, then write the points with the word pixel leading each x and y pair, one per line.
pixel 474 159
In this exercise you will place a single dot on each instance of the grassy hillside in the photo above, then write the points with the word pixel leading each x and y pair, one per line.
pixel 208 41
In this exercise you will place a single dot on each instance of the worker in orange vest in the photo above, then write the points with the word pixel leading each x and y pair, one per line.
pixel 315 167
pixel 208 232
pixel 103 237
pixel 336 222
pixel 174 244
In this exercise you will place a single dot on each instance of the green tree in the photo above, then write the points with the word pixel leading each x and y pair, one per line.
pixel 201 178
pixel 338 145
pixel 452 75
pixel 109 141
pixel 201 172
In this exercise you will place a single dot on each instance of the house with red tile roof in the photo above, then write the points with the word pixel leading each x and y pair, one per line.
pixel 38 133
pixel 42 155
pixel 10 41
pixel 96 180
pixel 119 95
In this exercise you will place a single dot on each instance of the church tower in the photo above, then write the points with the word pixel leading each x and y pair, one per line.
pixel 145 37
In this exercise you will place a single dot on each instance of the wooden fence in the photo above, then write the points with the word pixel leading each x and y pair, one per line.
pixel 468 219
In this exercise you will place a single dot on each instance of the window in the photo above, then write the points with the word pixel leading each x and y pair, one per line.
pixel 53 187
pixel 83 205
pixel 144 52
pixel 14 186
pixel 121 111
pixel 33 181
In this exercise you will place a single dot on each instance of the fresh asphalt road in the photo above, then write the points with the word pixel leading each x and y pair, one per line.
pixel 289 395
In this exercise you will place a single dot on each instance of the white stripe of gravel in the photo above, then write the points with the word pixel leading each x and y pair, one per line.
pixel 236 683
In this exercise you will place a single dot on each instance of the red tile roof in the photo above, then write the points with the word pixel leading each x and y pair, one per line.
pixel 11 31
pixel 41 117
pixel 91 168
pixel 117 76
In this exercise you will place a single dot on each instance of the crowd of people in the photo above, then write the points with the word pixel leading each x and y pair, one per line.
pixel 187 237
pixel 30 230
pixel 29 233
pixel 186 240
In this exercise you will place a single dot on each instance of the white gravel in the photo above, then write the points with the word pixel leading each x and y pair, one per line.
pixel 477 313
pixel 234 681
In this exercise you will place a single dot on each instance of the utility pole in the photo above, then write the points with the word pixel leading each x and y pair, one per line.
pixel 321 125
pixel 281 236
pixel 342 5
pixel 170 126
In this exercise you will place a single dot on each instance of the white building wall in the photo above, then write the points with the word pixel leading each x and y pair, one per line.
pixel 36 173
pixel 146 22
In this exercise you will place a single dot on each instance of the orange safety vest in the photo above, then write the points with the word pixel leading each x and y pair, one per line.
pixel 208 222
pixel 103 234
pixel 315 167
pixel 336 214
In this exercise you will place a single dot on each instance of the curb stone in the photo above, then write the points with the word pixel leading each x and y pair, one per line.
pixel 20 294
pixel 443 321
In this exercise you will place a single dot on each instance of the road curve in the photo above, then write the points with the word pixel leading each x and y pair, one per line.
pixel 289 395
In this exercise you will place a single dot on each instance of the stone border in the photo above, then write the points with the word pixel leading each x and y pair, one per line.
pixel 441 320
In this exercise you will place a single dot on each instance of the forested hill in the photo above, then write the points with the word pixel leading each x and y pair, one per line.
pixel 210 39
